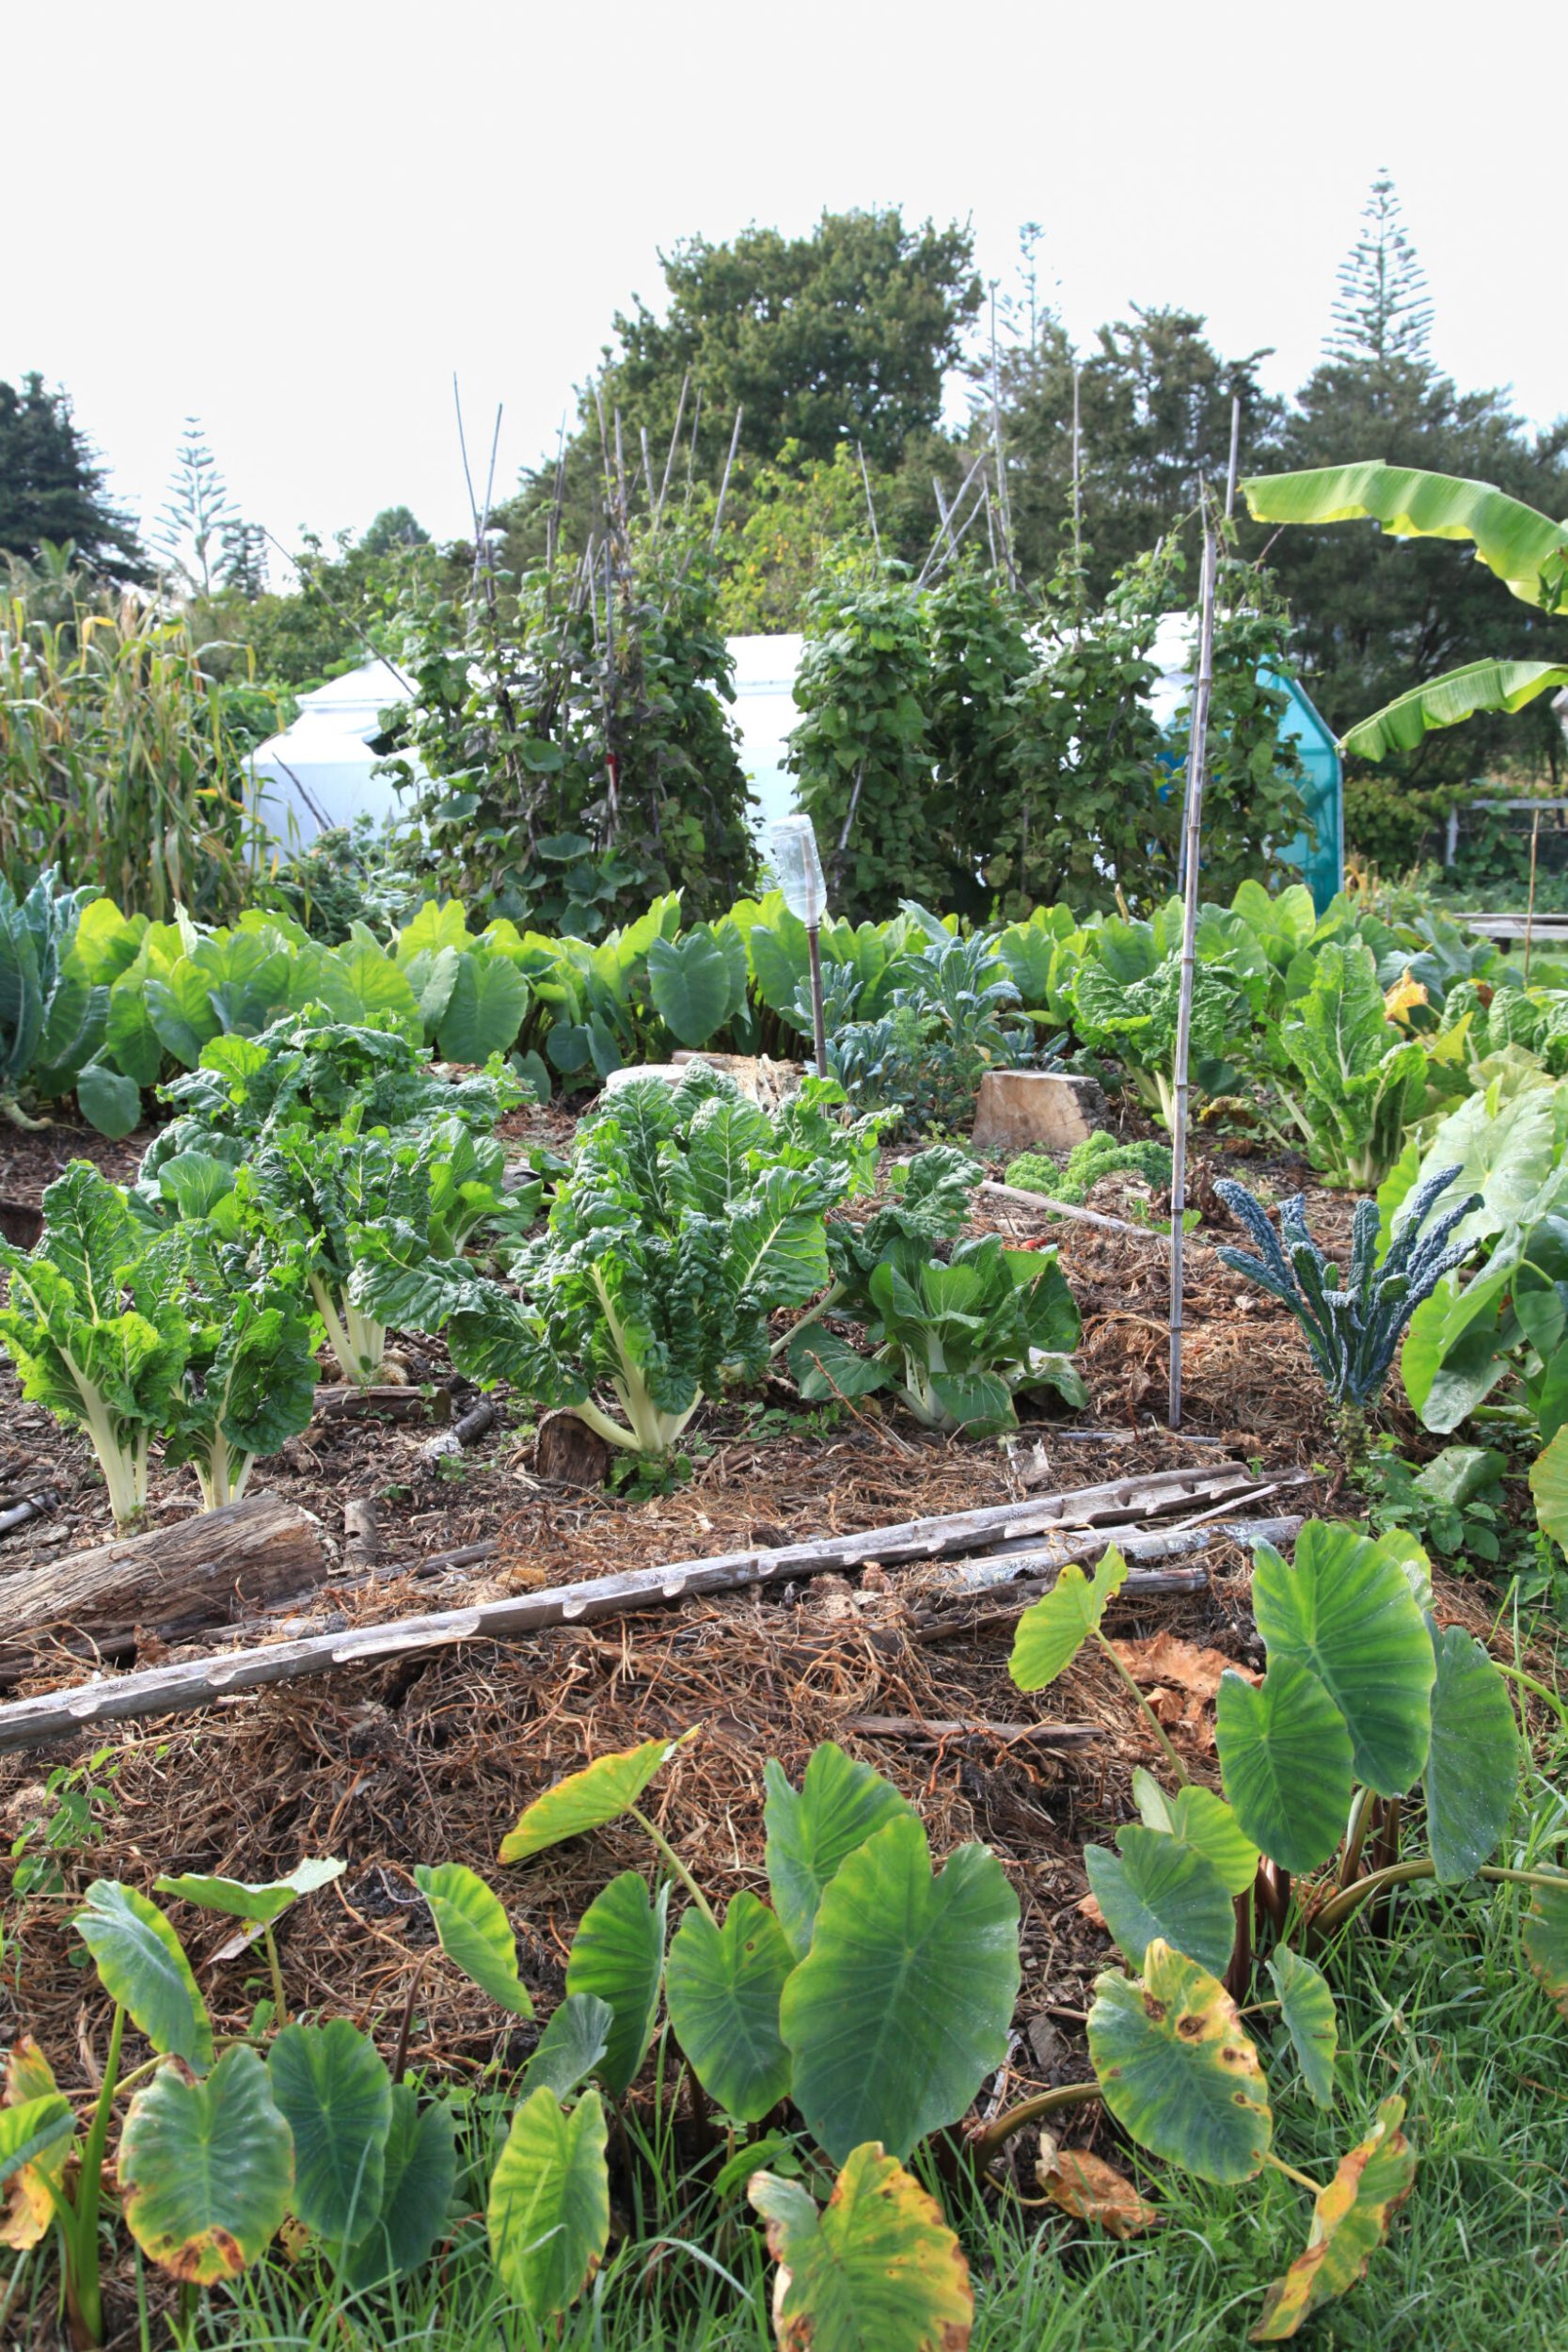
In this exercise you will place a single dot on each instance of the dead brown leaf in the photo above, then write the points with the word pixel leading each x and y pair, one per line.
pixel 1166 1659
pixel 1091 2190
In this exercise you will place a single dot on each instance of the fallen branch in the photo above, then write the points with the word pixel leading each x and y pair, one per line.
pixel 466 1431
pixel 1043 1202
pixel 33 1506
pixel 336 1403
pixel 196 1682
pixel 1009 1735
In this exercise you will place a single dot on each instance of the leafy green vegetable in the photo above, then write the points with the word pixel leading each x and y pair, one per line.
pixel 1358 1076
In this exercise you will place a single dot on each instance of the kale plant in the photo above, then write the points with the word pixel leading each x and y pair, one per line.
pixel 1352 1329
pixel 924 1059
pixel 1097 1155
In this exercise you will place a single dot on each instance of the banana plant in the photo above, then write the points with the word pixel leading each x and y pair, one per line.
pixel 1526 550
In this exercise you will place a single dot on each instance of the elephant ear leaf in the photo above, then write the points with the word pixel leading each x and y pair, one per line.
pixel 1546 1935
pixel 205 2168
pixel 1473 1768
pixel 812 1831
pixel 142 1965
pixel 601 1792
pixel 1345 1611
pixel 722 1987
pixel 1307 2010
pixel 876 2266
pixel 548 2212
pixel 1177 2071
pixel 33 2151
pixel 474 1932
pixel 1051 1634
pixel 1349 2222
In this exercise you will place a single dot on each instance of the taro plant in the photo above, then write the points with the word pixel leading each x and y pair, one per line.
pixel 1365 1700
pixel 688 1219
pixel 1352 1330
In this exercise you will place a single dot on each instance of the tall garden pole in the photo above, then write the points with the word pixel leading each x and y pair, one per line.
pixel 1197 748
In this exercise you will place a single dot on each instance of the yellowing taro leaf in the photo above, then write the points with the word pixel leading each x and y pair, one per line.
pixel 1177 2069
pixel 587 1799
pixel 1051 1634
pixel 1091 2190
pixel 1405 993
pixel 1546 1941
pixel 877 2267
pixel 1349 2222
pixel 28 2209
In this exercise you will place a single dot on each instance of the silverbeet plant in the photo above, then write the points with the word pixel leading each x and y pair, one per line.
pixel 1353 1328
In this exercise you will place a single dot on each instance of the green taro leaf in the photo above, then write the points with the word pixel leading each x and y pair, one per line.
pixel 1051 1634
pixel 901 2008
pixel 488 1003
pixel 1287 1759
pixel 694 985
pixel 1198 1818
pixel 722 1986
pixel 1176 2069
pixel 336 2096
pixel 877 2270
pixel 811 1832
pixel 205 2168
pixel 1546 1935
pixel 1473 1770
pixel 1155 1887
pixel 1308 2015
pixel 1346 1612
pixel 570 2046
pixel 34 2136
pixel 548 2212
pixel 618 1955
pixel 1548 1485
pixel 142 1965
pixel 1350 2221
pixel 474 1932
pixel 601 1792
pixel 421 2172
pixel 243 1899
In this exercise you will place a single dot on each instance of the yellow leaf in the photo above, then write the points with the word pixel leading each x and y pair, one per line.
pixel 1092 2190
pixel 1405 993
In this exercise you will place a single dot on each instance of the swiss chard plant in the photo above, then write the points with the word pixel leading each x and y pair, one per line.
pixel 688 1219
pixel 97 1328
pixel 1125 991
pixel 1356 1079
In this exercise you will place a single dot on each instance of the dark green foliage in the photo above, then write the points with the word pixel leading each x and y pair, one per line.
pixel 1352 1331
pixel 922 1060
pixel 52 488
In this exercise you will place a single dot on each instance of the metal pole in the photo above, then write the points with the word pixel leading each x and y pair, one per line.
pixel 813 947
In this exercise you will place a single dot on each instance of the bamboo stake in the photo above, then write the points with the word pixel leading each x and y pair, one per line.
pixel 674 444
pixel 1003 505
pixel 724 485
pixel 1197 744
pixel 1235 452
pixel 1529 911
pixel 871 503
pixel 1077 471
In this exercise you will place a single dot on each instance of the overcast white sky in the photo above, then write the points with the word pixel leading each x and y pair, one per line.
pixel 295 221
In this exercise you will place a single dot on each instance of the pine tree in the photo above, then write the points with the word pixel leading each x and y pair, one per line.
pixel 1382 312
pixel 244 567
pixel 197 518
pixel 52 487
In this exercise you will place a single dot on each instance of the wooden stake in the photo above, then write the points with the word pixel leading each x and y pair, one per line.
pixel 1197 741
pixel 871 503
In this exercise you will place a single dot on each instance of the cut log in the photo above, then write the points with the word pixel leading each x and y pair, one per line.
pixel 567 1450
pixel 197 1681
pixel 1036 1110
pixel 341 1402
pixel 173 1582
pixel 466 1430
pixel 361 1533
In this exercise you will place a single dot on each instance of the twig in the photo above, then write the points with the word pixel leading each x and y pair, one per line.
pixel 1066 1208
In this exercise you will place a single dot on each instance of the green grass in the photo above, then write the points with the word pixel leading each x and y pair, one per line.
pixel 1444 2012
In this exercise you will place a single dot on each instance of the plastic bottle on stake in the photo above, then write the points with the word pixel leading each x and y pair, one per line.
pixel 805 894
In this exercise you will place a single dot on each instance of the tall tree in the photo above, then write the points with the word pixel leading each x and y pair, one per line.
pixel 52 487
pixel 1154 399
pixel 197 517
pixel 826 342
pixel 1382 312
